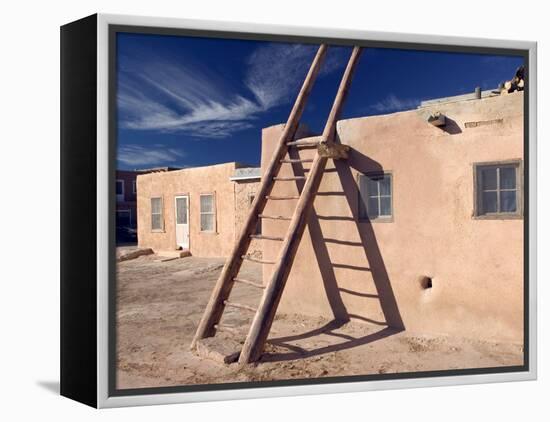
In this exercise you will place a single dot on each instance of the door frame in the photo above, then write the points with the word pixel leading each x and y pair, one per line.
pixel 176 220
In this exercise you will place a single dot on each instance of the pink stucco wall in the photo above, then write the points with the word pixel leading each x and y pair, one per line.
pixel 371 271
pixel 192 182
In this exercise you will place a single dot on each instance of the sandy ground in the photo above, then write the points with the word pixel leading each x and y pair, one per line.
pixel 159 305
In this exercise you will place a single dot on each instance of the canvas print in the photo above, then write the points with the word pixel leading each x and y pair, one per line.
pixel 299 211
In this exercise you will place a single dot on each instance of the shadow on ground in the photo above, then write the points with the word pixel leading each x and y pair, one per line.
pixel 297 352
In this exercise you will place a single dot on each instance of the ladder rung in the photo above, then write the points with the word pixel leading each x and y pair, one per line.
pixel 250 258
pixel 310 141
pixel 288 179
pixel 274 217
pixel 239 306
pixel 227 328
pixel 297 160
pixel 282 198
pixel 250 283
pixel 303 144
pixel 264 237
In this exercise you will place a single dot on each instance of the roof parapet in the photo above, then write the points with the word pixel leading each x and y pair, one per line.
pixel 476 95
pixel 246 173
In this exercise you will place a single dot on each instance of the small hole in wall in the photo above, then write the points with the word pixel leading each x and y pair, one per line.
pixel 426 282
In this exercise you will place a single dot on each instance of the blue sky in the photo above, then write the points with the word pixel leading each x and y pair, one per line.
pixel 187 101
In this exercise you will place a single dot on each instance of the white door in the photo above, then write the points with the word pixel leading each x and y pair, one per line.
pixel 182 221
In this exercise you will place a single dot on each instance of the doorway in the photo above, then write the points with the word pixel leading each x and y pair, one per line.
pixel 182 222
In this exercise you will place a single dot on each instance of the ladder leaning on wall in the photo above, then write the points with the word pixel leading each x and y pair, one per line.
pixel 326 148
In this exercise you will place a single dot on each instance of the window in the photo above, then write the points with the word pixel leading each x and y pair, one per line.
pixel 120 190
pixel 134 188
pixel 498 192
pixel 375 197
pixel 208 213
pixel 157 221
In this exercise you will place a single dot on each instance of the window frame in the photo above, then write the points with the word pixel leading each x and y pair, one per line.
pixel 134 187
pixel 161 229
pixel 477 194
pixel 380 218
pixel 214 213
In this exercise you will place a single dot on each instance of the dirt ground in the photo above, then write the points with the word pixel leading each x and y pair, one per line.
pixel 160 303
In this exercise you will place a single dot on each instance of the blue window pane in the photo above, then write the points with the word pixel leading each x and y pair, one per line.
pixel 385 186
pixel 507 178
pixel 489 202
pixel 508 201
pixel 362 197
pixel 373 207
pixel 489 178
pixel 372 187
pixel 362 207
pixel 363 187
pixel 363 184
pixel 385 206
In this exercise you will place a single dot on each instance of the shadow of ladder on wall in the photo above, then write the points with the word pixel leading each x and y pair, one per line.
pixel 326 148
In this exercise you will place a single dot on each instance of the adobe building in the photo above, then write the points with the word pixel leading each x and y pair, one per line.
pixel 196 210
pixel 126 208
pixel 421 228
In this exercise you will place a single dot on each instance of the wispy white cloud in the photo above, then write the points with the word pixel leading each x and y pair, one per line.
pixel 137 155
pixel 165 97
pixel 222 129
pixel 392 103
pixel 168 96
pixel 276 71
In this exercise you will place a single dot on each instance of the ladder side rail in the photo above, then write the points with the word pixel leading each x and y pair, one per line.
pixel 263 319
pixel 329 131
pixel 222 289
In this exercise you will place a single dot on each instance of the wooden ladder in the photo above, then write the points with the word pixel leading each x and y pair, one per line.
pixel 326 148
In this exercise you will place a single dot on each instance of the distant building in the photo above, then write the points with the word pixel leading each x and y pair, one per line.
pixel 199 209
pixel 126 195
